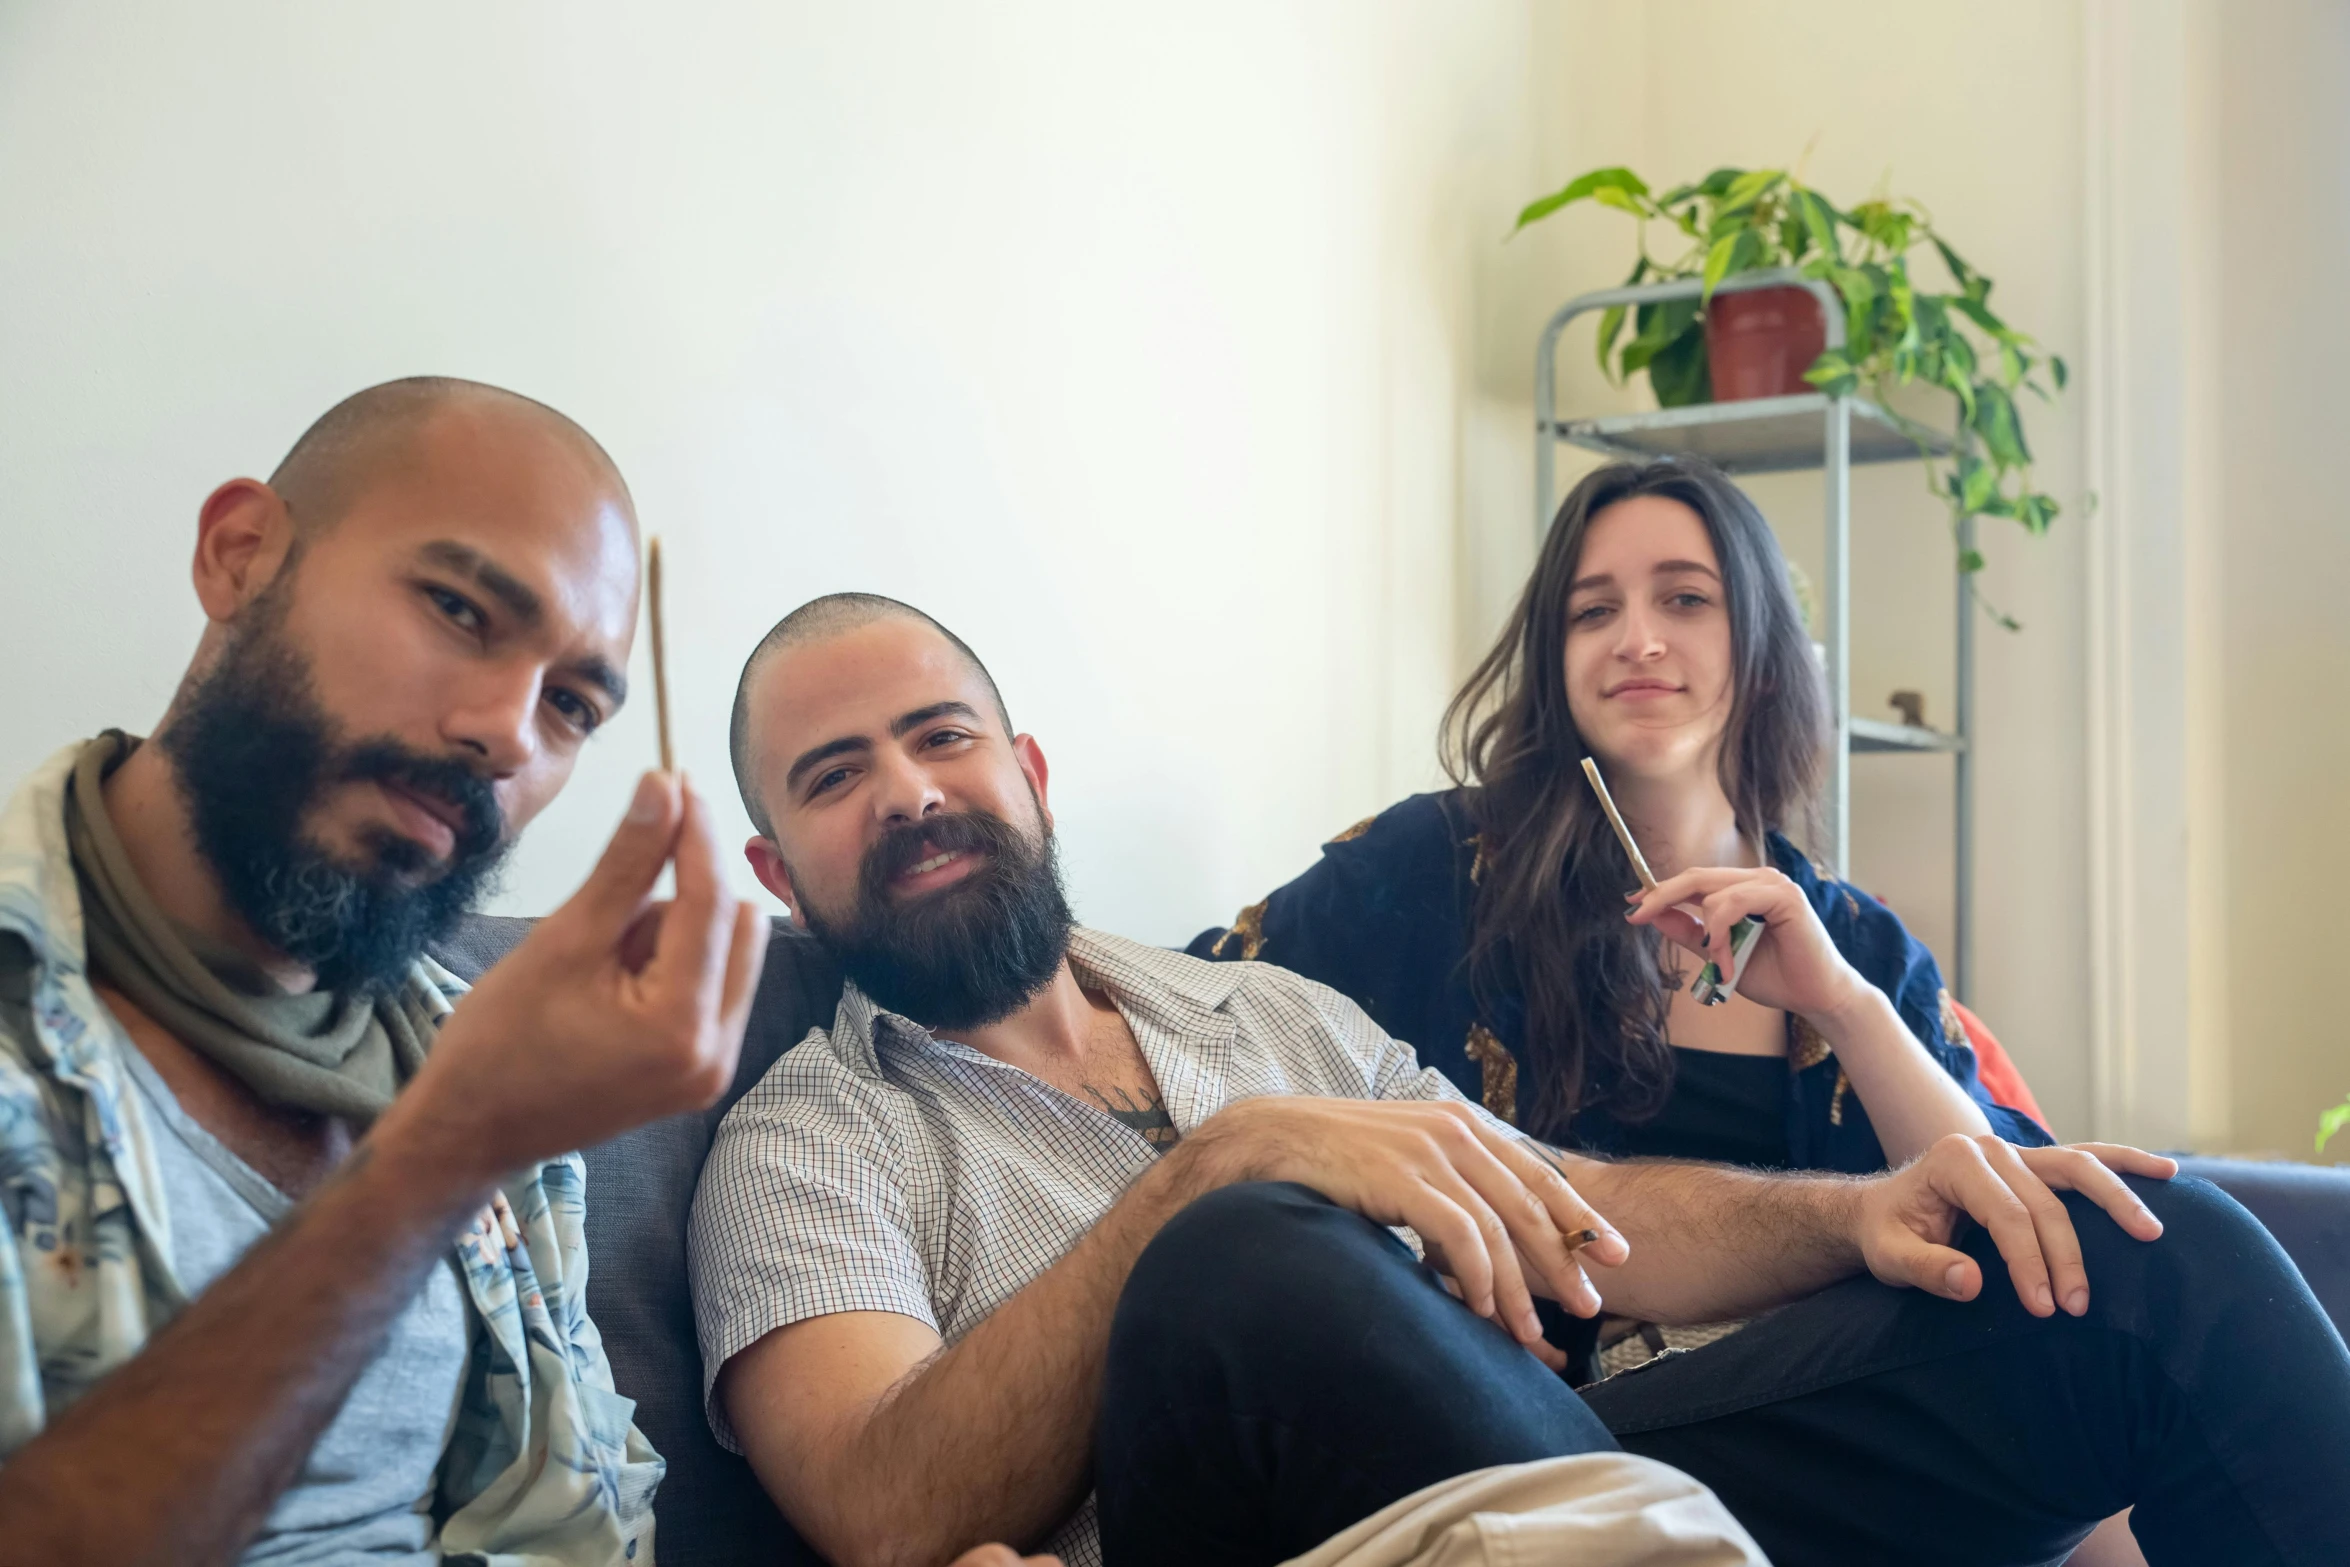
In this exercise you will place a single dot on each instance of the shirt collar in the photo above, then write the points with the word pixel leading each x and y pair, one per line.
pixel 1178 992
pixel 39 900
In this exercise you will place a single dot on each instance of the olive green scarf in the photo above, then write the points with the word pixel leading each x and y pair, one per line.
pixel 330 1053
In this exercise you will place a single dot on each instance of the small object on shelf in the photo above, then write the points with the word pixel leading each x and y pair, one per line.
pixel 1911 705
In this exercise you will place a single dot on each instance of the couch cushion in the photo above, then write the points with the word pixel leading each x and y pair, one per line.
pixel 2306 1207
pixel 711 1510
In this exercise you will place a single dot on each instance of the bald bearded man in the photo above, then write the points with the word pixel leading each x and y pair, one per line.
pixel 276 1291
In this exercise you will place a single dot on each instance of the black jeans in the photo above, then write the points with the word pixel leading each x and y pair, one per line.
pixel 1280 1368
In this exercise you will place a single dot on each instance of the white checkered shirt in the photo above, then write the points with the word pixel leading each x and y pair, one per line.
pixel 875 1168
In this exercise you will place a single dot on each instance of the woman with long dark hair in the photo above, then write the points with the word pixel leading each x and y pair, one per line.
pixel 1490 926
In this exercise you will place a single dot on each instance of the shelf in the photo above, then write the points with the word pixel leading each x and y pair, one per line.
pixel 1875 734
pixel 1758 435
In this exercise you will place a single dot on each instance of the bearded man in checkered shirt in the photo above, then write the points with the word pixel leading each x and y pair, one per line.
pixel 1061 1240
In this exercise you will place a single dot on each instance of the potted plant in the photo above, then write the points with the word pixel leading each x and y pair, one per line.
pixel 1766 342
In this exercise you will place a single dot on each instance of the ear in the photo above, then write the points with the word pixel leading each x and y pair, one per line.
pixel 767 865
pixel 1030 756
pixel 243 536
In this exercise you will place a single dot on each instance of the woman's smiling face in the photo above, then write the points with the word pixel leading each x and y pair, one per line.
pixel 1648 640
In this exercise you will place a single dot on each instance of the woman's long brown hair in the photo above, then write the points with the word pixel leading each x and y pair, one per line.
pixel 1549 916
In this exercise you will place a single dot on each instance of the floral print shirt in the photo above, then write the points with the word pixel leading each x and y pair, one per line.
pixel 542 1469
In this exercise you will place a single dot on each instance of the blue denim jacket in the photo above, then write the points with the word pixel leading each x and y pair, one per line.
pixel 1384 918
pixel 543 1468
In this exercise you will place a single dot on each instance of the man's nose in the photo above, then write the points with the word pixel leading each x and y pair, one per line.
pixel 903 790
pixel 496 719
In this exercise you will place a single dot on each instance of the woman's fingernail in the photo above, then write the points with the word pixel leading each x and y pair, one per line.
pixel 2077 1302
pixel 646 806
pixel 1955 1279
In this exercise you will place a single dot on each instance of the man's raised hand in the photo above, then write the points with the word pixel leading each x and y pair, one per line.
pixel 1907 1218
pixel 614 1011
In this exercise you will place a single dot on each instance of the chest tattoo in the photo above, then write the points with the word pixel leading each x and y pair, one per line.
pixel 1147 1115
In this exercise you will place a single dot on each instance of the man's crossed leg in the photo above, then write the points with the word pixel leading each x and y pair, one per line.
pixel 1280 1367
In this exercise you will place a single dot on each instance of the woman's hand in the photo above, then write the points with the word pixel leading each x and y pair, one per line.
pixel 1794 966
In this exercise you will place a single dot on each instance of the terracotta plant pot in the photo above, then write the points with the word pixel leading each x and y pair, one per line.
pixel 1758 343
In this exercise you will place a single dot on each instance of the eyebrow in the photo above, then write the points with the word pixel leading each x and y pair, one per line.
pixel 899 727
pixel 1663 568
pixel 520 600
pixel 524 604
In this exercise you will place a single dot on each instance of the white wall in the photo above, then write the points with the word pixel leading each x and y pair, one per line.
pixel 1174 357
pixel 2283 558
pixel 1140 345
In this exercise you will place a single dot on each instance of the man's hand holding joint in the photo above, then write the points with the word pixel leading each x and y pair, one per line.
pixel 1493 1211
pixel 616 1010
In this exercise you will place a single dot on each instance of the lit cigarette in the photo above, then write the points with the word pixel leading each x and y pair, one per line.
pixel 660 654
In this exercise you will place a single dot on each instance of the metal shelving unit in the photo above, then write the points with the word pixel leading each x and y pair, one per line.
pixel 1807 432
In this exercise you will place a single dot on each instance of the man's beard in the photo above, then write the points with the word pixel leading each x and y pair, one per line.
pixel 973 952
pixel 255 754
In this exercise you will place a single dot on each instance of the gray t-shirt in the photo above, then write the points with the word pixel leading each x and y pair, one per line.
pixel 365 1494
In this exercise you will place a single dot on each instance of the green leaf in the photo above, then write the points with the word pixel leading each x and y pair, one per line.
pixel 1611 326
pixel 1996 422
pixel 1819 219
pixel 1961 383
pixel 1884 225
pixel 1971 561
pixel 2011 364
pixel 1960 272
pixel 1611 322
pixel 1678 373
pixel 1623 182
pixel 1978 484
pixel 1747 189
pixel 1730 254
pixel 2036 512
pixel 1977 312
pixel 2057 369
pixel 1833 374
pixel 1659 326
pixel 1959 354
pixel 2331 1122
pixel 1622 201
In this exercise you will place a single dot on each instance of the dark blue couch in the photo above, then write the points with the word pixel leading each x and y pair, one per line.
pixel 641 1187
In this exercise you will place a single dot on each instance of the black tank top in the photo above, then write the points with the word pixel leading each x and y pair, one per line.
pixel 1728 1108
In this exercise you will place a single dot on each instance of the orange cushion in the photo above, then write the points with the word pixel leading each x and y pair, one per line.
pixel 1997 1069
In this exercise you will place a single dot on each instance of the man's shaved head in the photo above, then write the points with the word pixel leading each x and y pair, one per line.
pixel 815 621
pixel 373 432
